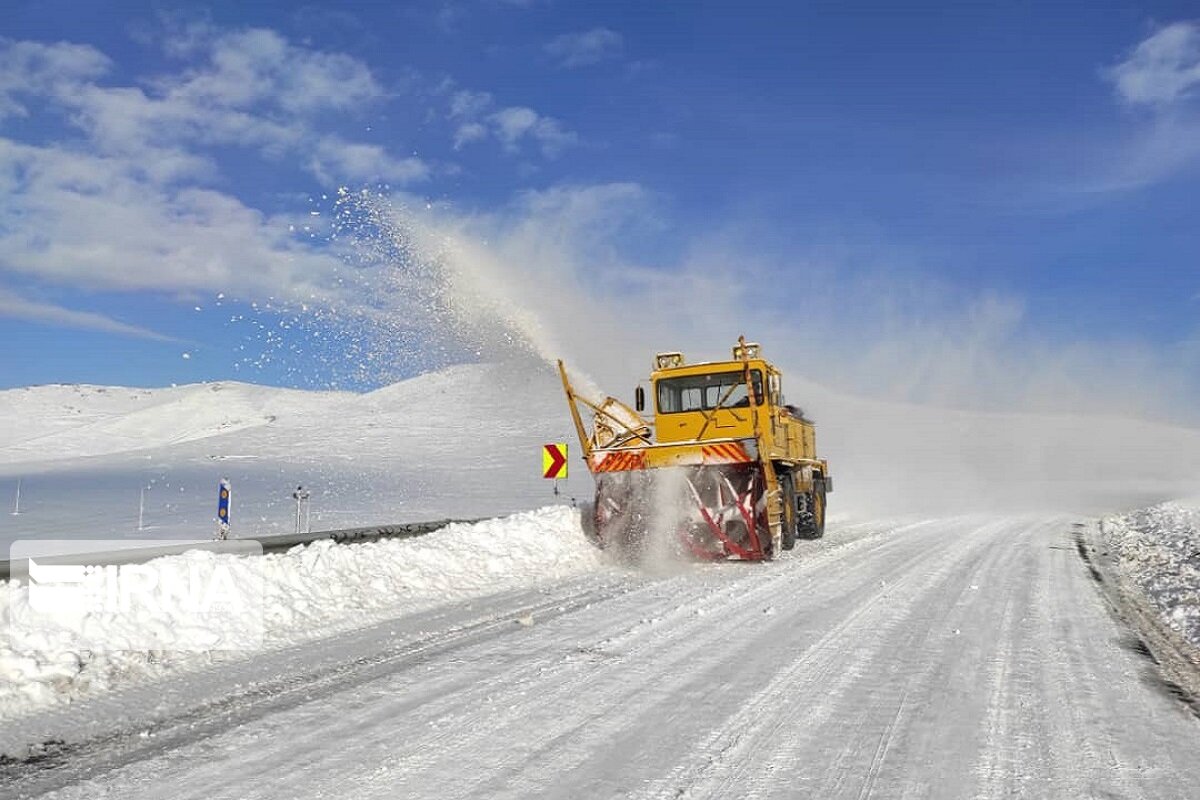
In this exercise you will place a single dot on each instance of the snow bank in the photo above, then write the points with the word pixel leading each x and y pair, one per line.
pixel 308 592
pixel 1158 550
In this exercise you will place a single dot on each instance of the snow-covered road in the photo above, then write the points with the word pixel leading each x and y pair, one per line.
pixel 964 657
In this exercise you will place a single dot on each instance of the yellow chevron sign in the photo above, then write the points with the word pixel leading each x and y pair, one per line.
pixel 554 460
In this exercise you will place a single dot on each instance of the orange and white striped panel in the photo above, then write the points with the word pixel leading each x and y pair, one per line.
pixel 725 453
pixel 619 461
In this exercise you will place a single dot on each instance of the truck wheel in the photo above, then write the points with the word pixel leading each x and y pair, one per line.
pixel 587 520
pixel 787 491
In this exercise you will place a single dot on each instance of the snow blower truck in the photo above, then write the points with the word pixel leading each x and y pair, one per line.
pixel 727 468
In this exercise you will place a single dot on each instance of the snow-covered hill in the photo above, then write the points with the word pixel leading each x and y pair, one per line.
pixel 464 442
pixel 72 421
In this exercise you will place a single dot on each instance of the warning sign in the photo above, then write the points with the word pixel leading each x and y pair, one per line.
pixel 554 460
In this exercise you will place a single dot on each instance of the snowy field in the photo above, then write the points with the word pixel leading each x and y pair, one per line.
pixel 1158 550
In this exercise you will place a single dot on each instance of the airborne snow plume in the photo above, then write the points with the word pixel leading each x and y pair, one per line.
pixel 424 305
pixel 546 281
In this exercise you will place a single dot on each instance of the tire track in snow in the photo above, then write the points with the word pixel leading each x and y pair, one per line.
pixel 427 703
pixel 949 659
pixel 761 741
pixel 129 746
pixel 647 659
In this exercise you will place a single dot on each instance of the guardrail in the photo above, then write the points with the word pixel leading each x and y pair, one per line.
pixel 270 544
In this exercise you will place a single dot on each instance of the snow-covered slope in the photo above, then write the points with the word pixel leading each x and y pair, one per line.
pixel 464 442
pixel 67 422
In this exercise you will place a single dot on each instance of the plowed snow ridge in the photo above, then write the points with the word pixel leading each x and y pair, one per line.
pixel 309 592
pixel 1158 548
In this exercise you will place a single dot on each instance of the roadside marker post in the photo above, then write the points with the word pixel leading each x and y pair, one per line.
pixel 302 509
pixel 224 498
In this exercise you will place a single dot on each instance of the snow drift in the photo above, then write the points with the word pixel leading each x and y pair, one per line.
pixel 1158 550
pixel 309 592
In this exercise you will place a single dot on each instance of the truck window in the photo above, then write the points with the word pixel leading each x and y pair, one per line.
pixel 703 392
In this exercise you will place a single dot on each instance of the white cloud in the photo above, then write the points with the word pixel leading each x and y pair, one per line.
pixel 465 104
pixel 126 204
pixel 587 47
pixel 511 125
pixel 1163 68
pixel 34 68
pixel 84 221
pixel 257 68
pixel 336 161
pixel 1160 75
pixel 469 132
pixel 514 124
pixel 251 89
pixel 14 306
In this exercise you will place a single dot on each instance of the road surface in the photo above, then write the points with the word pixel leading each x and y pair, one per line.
pixel 965 657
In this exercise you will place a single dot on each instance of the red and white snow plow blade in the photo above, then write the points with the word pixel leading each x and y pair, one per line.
pixel 708 512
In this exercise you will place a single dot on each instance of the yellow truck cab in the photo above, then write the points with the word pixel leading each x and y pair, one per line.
pixel 711 400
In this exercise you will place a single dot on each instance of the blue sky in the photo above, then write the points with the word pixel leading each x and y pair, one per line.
pixel 152 157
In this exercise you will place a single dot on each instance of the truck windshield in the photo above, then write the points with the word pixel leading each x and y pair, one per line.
pixel 703 392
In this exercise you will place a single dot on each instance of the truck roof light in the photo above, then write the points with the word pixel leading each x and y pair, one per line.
pixel 747 350
pixel 668 360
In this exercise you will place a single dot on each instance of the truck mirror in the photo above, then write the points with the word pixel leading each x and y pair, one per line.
pixel 639 395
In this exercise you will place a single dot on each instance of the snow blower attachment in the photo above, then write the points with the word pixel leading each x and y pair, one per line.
pixel 729 471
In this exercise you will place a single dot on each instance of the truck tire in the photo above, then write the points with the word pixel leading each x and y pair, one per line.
pixel 787 491
pixel 587 520
pixel 818 509
pixel 811 521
